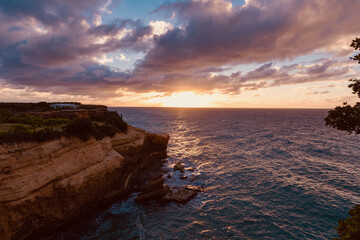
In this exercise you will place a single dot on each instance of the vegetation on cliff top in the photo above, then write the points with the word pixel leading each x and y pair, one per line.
pixel 35 122
pixel 98 127
pixel 43 106
pixel 25 107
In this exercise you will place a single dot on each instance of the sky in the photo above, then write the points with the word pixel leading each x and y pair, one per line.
pixel 179 53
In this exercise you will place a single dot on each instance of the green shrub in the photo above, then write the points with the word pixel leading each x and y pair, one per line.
pixel 21 133
pixel 46 134
pixel 4 115
pixel 79 127
pixel 118 121
pixel 17 133
pixel 101 124
pixel 91 107
pixel 113 119
pixel 103 130
pixel 26 107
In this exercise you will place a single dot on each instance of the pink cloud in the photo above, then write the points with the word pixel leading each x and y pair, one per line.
pixel 54 51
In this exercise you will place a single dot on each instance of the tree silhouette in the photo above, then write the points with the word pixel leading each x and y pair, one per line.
pixel 347 118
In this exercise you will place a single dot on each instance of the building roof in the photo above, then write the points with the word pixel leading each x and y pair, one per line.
pixel 64 104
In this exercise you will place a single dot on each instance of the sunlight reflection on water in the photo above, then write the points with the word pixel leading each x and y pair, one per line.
pixel 268 174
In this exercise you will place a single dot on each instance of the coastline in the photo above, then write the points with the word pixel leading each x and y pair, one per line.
pixel 44 185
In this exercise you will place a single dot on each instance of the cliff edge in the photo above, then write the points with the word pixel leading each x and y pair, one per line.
pixel 43 185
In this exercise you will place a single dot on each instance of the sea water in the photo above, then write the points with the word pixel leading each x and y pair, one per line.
pixel 267 174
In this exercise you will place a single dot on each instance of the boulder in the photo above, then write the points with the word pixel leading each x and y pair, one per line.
pixel 194 188
pixel 155 183
pixel 193 178
pixel 183 177
pixel 179 167
pixel 156 194
pixel 154 190
pixel 158 191
pixel 179 196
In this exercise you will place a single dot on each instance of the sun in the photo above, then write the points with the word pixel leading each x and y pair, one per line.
pixel 186 99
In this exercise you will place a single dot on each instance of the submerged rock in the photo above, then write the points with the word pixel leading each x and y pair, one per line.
pixel 179 167
pixel 191 169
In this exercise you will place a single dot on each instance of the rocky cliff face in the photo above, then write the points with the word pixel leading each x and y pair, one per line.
pixel 44 185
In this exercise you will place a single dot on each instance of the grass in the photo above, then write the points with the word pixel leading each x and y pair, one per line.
pixel 28 127
pixel 26 107
pixel 4 127
pixel 42 106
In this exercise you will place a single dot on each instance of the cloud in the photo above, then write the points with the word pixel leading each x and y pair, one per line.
pixel 103 59
pixel 61 54
pixel 217 34
pixel 105 7
pixel 160 27
pixel 317 92
pixel 122 57
pixel 51 13
pixel 66 45
pixel 265 76
pixel 61 46
pixel 97 20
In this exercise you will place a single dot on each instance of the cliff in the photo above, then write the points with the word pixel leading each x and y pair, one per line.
pixel 44 185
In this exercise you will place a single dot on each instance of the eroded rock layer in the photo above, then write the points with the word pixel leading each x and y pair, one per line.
pixel 44 185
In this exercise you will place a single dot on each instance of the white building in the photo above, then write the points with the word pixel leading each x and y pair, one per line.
pixel 64 106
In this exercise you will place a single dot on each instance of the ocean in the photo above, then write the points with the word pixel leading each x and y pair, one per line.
pixel 267 174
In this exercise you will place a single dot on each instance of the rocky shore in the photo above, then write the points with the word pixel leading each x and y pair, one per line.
pixel 42 186
pixel 157 190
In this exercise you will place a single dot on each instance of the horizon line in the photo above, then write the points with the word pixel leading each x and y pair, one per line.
pixel 315 108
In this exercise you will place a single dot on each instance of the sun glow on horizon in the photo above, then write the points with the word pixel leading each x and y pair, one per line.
pixel 186 99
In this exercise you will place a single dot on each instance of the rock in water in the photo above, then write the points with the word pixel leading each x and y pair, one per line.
pixel 179 167
pixel 155 194
pixel 157 190
pixel 191 169
pixel 154 190
pixel 183 177
pixel 155 183
pixel 194 188
pixel 179 196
